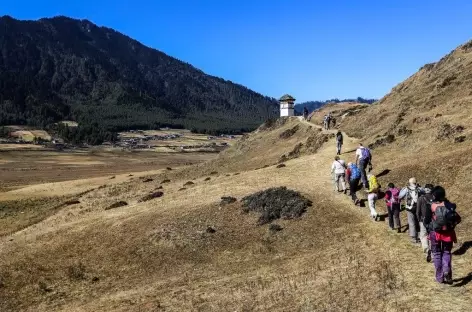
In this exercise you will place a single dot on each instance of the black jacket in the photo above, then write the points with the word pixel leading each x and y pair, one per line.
pixel 424 203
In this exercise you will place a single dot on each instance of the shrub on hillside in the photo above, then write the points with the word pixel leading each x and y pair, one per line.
pixel 275 203
pixel 289 132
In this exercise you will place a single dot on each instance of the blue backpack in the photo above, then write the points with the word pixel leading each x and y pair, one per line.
pixel 355 173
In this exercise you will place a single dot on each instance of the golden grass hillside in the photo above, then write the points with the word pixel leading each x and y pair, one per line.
pixel 159 256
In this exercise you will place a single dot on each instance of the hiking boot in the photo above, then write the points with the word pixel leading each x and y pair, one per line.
pixel 414 241
pixel 428 256
pixel 399 231
pixel 345 192
pixel 447 279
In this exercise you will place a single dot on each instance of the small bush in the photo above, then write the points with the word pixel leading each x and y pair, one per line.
pixel 147 180
pixel 151 196
pixel 119 204
pixel 281 166
pixel 189 183
pixel 76 272
pixel 275 228
pixel 226 200
pixel 207 179
pixel 214 172
pixel 210 230
pixel 169 168
pixel 182 189
pixel 165 181
pixel 289 132
pixel 459 139
pixel 275 203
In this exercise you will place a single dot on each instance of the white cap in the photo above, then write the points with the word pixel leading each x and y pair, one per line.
pixel 412 181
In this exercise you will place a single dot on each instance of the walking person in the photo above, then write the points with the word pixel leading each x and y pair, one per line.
pixel 305 113
pixel 372 196
pixel 411 193
pixel 364 159
pixel 339 170
pixel 354 178
pixel 393 203
pixel 424 203
pixel 339 142
pixel 441 220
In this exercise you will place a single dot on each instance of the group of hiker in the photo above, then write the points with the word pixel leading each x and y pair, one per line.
pixel 431 217
pixel 328 121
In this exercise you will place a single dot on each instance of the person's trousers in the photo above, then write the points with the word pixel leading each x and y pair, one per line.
pixel 353 184
pixel 362 167
pixel 441 257
pixel 372 197
pixel 338 147
pixel 413 224
pixel 424 238
pixel 339 177
pixel 394 216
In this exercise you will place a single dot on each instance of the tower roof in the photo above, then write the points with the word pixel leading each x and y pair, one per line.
pixel 287 98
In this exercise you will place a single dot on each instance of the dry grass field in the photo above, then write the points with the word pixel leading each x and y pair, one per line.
pixel 159 256
pixel 163 241
pixel 19 168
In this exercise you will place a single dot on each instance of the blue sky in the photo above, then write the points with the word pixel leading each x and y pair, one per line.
pixel 314 50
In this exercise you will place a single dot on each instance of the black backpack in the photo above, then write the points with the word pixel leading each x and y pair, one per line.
pixel 444 217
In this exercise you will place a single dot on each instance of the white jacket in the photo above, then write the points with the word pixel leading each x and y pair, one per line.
pixel 339 167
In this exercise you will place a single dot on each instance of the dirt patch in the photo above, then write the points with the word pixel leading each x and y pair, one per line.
pixel 276 203
pixel 150 197
pixel 119 204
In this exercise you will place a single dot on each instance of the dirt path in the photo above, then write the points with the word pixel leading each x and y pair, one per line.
pixel 416 270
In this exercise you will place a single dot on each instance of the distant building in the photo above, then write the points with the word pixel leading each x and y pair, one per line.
pixel 287 103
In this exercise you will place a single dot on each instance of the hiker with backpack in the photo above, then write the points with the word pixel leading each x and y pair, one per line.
pixel 364 159
pixel 339 170
pixel 305 113
pixel 441 220
pixel 339 142
pixel 424 203
pixel 411 193
pixel 353 175
pixel 372 195
pixel 392 200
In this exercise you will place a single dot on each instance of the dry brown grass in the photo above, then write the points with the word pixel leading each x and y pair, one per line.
pixel 159 256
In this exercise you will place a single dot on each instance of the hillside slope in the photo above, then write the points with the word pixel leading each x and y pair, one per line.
pixel 157 255
pixel 61 68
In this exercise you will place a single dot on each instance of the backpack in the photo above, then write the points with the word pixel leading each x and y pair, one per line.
pixel 339 137
pixel 365 153
pixel 444 217
pixel 355 172
pixel 412 199
pixel 373 184
pixel 395 193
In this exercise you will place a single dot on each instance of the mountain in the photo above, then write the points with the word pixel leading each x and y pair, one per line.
pixel 61 68
pixel 434 101
pixel 314 105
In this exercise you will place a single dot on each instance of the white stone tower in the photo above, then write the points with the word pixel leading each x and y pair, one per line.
pixel 287 106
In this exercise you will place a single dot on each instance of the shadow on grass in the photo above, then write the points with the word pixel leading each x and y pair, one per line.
pixel 463 280
pixel 383 173
pixel 463 248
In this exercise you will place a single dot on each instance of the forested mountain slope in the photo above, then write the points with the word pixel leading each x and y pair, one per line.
pixel 61 68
